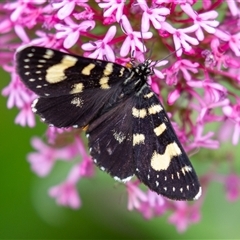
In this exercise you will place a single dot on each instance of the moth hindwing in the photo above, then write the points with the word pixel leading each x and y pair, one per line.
pixel 129 131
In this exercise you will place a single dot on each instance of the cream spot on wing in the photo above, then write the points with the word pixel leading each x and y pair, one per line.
pixel 186 169
pixel 104 82
pixel 121 72
pixel 48 54
pixel 160 129
pixel 138 139
pixel 42 61
pixel 155 109
pixel 119 136
pixel 77 101
pixel 108 69
pixel 198 194
pixel 55 73
pixel 77 88
pixel 87 70
pixel 34 104
pixel 162 161
pixel 139 113
pixel 124 180
pixel 149 95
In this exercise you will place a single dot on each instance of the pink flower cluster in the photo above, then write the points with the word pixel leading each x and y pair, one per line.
pixel 201 82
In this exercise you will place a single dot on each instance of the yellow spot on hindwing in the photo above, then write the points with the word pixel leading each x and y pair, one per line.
pixel 77 88
pixel 55 73
pixel 87 69
pixel 138 139
pixel 154 109
pixel 139 113
pixel 160 129
pixel 162 161
pixel 149 95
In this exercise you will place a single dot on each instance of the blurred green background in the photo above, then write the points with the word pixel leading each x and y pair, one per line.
pixel 26 211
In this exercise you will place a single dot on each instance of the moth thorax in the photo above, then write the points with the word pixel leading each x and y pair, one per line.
pixel 144 69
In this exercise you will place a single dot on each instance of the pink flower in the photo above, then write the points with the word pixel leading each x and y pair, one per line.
pixel 154 206
pixel 203 141
pixel 113 8
pixel 43 161
pixel 66 7
pixel 232 39
pixel 156 65
pixel 182 66
pixel 153 14
pixel 184 215
pixel 135 196
pixel 15 91
pixel 233 114
pixel 26 117
pixel 20 7
pixel 132 41
pixel 86 167
pixel 53 133
pixel 214 96
pixel 47 40
pixel 72 31
pixel 233 7
pixel 232 186
pixel 204 20
pixel 66 193
pixel 180 38
pixel 102 47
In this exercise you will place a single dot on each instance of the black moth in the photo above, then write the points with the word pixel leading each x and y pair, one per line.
pixel 129 131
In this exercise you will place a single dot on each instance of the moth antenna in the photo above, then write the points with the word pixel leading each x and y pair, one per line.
pixel 151 51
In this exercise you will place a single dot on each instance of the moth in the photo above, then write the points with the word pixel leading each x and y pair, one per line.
pixel 128 130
